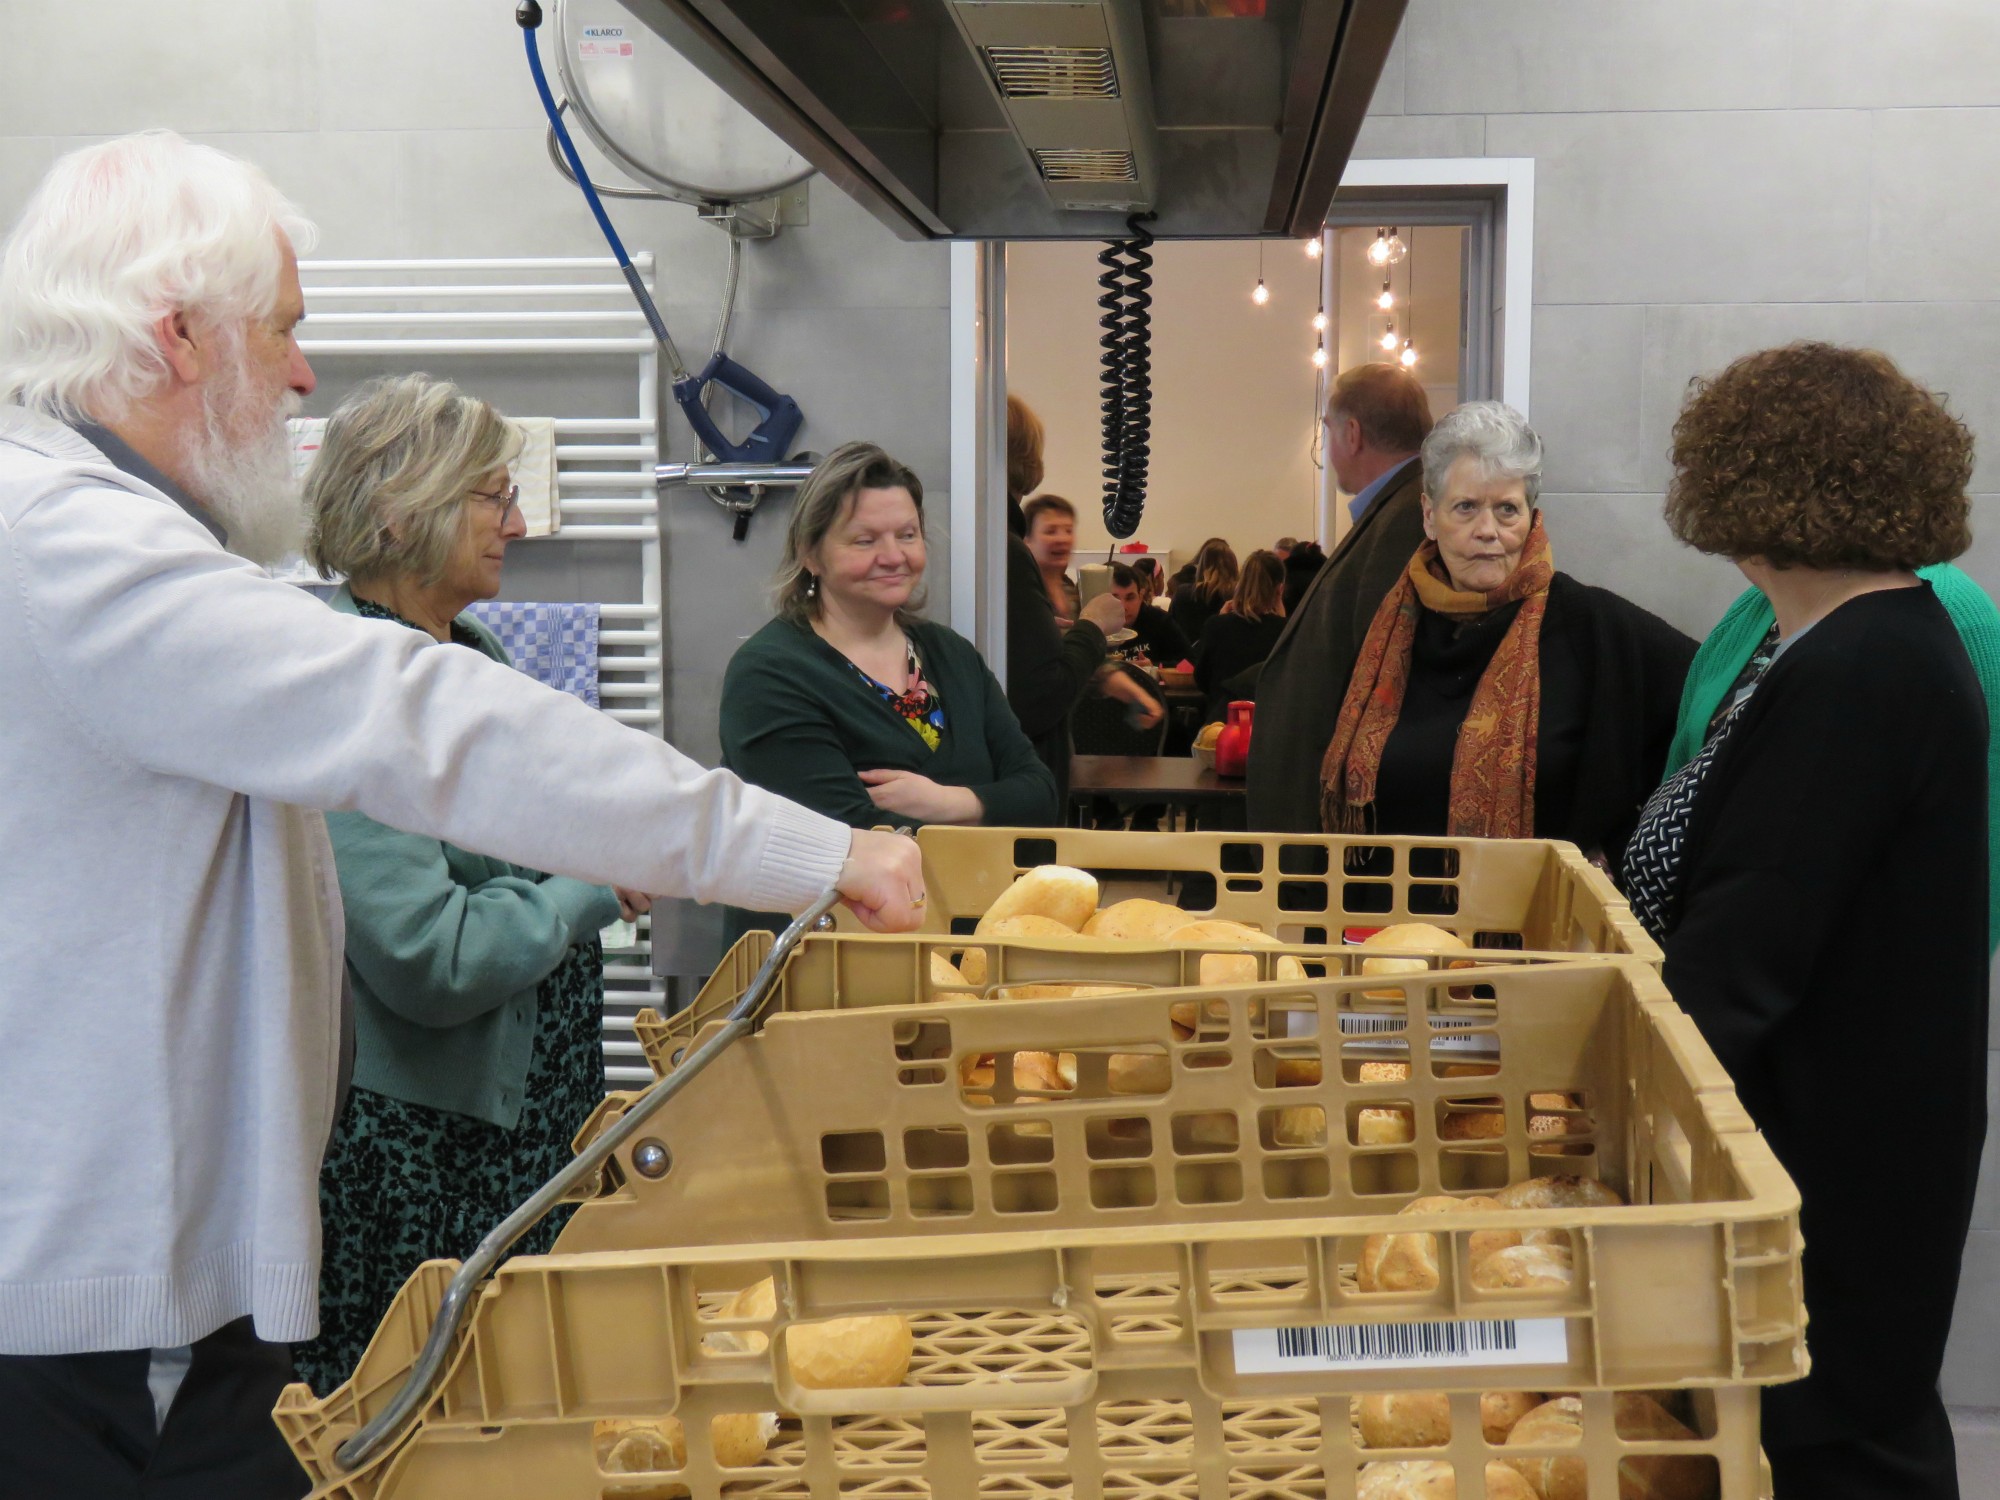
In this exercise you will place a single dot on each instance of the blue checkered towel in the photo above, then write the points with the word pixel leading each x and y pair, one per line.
pixel 552 643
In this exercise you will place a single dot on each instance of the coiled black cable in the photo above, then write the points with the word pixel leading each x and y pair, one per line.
pixel 1126 383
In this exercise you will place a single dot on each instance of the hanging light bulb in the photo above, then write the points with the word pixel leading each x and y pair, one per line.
pixel 1409 354
pixel 1312 248
pixel 1260 294
pixel 1389 337
pixel 1319 321
pixel 1388 298
pixel 1378 252
pixel 1394 251
pixel 1319 357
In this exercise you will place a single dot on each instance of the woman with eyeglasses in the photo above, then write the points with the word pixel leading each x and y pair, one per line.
pixel 477 985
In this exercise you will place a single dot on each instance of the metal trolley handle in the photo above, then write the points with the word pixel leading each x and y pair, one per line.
pixel 389 1423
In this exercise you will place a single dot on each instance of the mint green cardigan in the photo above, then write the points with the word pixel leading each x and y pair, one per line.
pixel 1729 646
pixel 446 950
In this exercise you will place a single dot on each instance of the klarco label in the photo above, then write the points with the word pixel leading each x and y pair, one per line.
pixel 600 42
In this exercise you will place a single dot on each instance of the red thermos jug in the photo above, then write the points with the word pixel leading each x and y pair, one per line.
pixel 1232 748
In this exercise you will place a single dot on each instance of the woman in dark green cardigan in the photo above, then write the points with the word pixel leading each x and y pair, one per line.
pixel 850 704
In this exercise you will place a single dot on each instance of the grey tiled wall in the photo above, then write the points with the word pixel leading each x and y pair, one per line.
pixel 1711 178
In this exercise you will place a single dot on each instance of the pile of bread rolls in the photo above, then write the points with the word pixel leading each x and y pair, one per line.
pixel 1519 1419
pixel 837 1354
pixel 1502 1259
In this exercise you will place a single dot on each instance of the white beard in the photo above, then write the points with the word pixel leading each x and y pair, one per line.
pixel 239 468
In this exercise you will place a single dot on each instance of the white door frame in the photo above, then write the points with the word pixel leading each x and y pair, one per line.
pixel 978 321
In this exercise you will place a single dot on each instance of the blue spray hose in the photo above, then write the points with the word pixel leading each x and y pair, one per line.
pixel 778 415
pixel 529 15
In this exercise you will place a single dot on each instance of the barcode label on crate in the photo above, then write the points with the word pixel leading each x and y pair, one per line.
pixel 1376 1026
pixel 1402 1346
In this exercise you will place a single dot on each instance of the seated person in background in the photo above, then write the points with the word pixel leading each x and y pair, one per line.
pixel 1283 547
pixel 1152 582
pixel 1244 633
pixel 852 704
pixel 1493 696
pixel 1213 583
pixel 1302 565
pixel 478 984
pixel 1157 636
pixel 1051 539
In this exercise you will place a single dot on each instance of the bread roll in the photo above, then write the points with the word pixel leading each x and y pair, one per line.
pixel 1532 1267
pixel 1548 1101
pixel 1289 970
pixel 1296 1072
pixel 1422 1419
pixel 1385 1072
pixel 1028 925
pixel 1038 991
pixel 626 1446
pixel 1139 1073
pixel 946 973
pixel 1429 1479
pixel 1384 1127
pixel 1411 937
pixel 1299 1125
pixel 1472 1125
pixel 1660 1476
pixel 1226 970
pixel 1034 1072
pixel 1138 919
pixel 839 1354
pixel 1558 1192
pixel 1409 1262
pixel 1058 892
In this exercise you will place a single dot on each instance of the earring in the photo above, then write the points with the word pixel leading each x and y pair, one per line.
pixel 812 585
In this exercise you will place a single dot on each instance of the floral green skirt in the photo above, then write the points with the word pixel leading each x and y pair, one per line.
pixel 404 1183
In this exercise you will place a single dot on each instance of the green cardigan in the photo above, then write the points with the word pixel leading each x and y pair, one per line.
pixel 798 720
pixel 446 950
pixel 1729 646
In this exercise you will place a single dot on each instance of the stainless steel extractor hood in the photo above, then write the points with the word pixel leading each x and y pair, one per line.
pixel 1054 119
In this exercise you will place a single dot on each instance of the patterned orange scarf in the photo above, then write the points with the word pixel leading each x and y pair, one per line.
pixel 1493 770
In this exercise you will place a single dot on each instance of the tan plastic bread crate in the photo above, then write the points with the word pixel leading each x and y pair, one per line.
pixel 843 971
pixel 1536 894
pixel 1124 1294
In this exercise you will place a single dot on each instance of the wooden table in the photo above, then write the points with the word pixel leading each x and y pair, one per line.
pixel 1180 781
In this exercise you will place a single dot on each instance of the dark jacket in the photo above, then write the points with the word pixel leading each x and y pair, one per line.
pixel 1048 668
pixel 1830 943
pixel 1192 610
pixel 1611 677
pixel 1231 645
pixel 797 719
pixel 1299 692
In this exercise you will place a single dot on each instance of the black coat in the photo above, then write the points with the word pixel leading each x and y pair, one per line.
pixel 1300 689
pixel 1048 667
pixel 1611 678
pixel 1830 943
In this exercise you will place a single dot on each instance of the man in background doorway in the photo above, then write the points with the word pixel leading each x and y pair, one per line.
pixel 1051 539
pixel 1376 421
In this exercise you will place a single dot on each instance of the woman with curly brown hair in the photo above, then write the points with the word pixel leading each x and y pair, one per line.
pixel 1817 874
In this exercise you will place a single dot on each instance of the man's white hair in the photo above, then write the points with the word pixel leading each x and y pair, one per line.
pixel 116 235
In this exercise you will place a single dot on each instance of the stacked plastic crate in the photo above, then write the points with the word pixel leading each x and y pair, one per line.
pixel 1151 1265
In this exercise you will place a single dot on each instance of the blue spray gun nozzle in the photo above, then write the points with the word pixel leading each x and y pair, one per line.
pixel 778 415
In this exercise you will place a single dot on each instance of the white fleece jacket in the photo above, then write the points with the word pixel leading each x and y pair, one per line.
pixel 170 928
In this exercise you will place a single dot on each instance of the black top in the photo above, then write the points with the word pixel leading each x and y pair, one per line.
pixel 1413 791
pixel 1192 610
pixel 1164 644
pixel 1048 667
pixel 1830 941
pixel 1230 644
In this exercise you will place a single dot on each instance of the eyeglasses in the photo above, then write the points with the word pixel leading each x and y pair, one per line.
pixel 503 502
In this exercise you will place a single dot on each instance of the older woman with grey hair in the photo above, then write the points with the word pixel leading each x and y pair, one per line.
pixel 1494 697
pixel 478 985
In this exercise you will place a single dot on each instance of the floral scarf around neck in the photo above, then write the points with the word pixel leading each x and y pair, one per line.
pixel 1493 770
